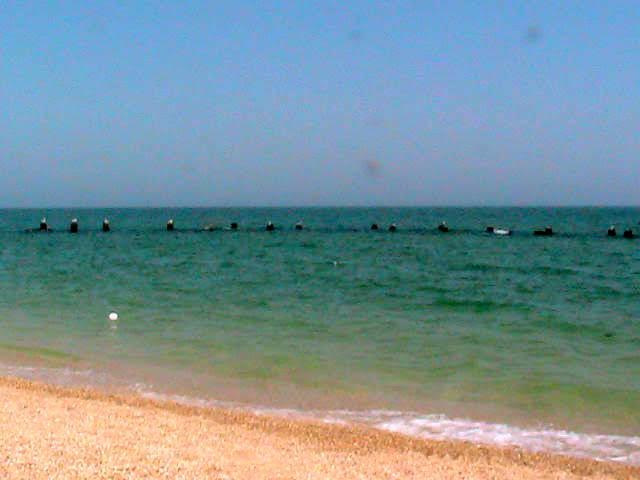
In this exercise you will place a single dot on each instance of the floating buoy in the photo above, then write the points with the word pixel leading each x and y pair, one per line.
pixel 43 225
pixel 628 233
pixel 234 225
pixel 612 231
pixel 374 226
pixel 170 225
pixel 105 226
pixel 489 229
pixel 113 316
pixel 393 227
pixel 443 227
pixel 73 227
pixel 270 227
pixel 299 225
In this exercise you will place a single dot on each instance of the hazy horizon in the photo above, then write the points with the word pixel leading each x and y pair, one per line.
pixel 292 206
pixel 274 104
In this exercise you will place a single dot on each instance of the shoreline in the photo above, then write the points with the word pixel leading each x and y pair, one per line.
pixel 465 425
pixel 81 432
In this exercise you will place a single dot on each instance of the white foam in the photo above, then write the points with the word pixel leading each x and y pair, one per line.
pixel 617 448
pixel 59 376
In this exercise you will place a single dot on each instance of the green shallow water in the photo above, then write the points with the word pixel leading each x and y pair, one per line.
pixel 519 329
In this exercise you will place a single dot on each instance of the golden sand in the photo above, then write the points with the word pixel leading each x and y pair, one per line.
pixel 54 433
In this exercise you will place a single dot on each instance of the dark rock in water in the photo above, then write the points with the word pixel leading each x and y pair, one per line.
pixel 374 226
pixel 170 226
pixel 234 225
pixel 106 227
pixel 628 233
pixel 73 227
pixel 443 227
pixel 547 232
pixel 393 227
pixel 612 231
pixel 270 227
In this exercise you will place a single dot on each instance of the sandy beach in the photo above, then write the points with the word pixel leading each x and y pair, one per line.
pixel 54 432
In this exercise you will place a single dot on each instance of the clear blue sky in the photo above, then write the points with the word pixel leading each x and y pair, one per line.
pixel 319 103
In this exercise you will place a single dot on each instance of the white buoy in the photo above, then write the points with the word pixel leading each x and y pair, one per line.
pixel 113 316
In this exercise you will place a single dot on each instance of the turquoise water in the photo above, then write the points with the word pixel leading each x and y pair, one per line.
pixel 519 339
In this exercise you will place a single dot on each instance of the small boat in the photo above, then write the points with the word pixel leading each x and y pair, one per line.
pixel 498 231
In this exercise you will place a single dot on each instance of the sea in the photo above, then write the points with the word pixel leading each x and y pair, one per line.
pixel 508 340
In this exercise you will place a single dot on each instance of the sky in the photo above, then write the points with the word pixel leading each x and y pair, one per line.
pixel 319 103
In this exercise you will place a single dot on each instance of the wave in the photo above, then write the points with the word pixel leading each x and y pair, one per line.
pixel 616 448
pixel 478 305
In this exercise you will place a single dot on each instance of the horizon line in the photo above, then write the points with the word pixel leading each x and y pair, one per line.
pixel 158 207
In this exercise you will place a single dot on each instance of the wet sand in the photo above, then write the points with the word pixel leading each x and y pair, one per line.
pixel 54 432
